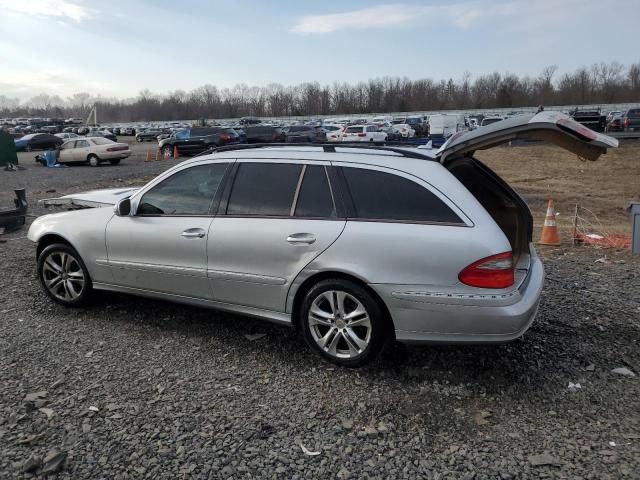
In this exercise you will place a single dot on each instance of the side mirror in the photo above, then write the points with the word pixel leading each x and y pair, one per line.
pixel 123 208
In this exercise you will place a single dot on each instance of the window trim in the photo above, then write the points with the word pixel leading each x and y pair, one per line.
pixel 214 201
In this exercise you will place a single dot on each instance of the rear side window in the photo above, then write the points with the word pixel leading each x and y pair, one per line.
pixel 635 113
pixel 264 189
pixel 314 198
pixel 354 129
pixel 187 192
pixel 384 196
pixel 372 129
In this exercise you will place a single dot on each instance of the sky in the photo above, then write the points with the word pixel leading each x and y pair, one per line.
pixel 116 48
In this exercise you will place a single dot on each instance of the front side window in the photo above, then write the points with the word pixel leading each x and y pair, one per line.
pixel 265 189
pixel 383 196
pixel 188 192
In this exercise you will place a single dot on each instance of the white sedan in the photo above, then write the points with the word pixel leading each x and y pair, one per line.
pixel 404 130
pixel 67 135
pixel 363 133
pixel 93 150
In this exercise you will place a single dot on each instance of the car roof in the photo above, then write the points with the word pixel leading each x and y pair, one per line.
pixel 374 156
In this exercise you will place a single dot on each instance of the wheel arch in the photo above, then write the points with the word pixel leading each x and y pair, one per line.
pixel 309 282
pixel 50 239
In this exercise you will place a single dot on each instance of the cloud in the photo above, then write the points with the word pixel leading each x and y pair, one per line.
pixel 49 8
pixel 462 15
pixel 381 16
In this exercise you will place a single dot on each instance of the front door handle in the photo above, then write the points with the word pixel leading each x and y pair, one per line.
pixel 193 233
pixel 301 238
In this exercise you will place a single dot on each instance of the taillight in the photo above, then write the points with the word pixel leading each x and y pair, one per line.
pixel 495 271
pixel 225 137
pixel 362 134
pixel 626 122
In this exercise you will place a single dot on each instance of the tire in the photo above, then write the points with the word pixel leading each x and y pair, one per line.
pixel 93 160
pixel 167 152
pixel 115 161
pixel 139 140
pixel 73 285
pixel 329 333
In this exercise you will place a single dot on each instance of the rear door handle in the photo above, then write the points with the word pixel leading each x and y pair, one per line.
pixel 193 233
pixel 301 238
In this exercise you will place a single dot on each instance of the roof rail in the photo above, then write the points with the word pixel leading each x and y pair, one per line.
pixel 326 147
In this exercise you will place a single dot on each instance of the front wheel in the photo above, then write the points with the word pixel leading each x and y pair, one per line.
pixel 138 139
pixel 343 322
pixel 63 275
pixel 167 152
pixel 93 161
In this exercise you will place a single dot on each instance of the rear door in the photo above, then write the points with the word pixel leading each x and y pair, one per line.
pixel 552 127
pixel 81 151
pixel 275 219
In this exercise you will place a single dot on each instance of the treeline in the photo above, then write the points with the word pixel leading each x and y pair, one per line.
pixel 600 83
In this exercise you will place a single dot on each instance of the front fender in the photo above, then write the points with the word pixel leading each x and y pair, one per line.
pixel 84 230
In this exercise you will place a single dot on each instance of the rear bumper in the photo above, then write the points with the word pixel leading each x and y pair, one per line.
pixel 431 317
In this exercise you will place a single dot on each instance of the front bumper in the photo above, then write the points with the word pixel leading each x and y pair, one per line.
pixel 432 317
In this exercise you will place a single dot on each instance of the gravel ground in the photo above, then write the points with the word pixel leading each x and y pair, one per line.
pixel 137 388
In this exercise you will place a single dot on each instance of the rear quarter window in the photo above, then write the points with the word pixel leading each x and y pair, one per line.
pixel 383 196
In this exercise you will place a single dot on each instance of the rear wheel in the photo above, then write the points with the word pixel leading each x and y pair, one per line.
pixel 63 275
pixel 167 152
pixel 343 322
pixel 138 139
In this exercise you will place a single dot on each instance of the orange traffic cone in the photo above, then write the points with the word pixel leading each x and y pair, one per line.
pixel 176 155
pixel 158 157
pixel 550 235
pixel 148 159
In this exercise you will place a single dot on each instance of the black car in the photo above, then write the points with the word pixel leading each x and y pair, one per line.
pixel 593 119
pixel 37 141
pixel 264 134
pixel 149 134
pixel 306 134
pixel 192 141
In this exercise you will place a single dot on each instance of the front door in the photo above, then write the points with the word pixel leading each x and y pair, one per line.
pixel 279 217
pixel 162 247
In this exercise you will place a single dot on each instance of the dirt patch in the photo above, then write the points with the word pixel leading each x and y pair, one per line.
pixel 604 187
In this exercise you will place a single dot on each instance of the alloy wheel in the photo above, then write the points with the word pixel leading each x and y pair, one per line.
pixel 339 324
pixel 63 276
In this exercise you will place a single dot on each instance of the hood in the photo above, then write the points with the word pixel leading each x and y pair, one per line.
pixel 92 198
pixel 552 127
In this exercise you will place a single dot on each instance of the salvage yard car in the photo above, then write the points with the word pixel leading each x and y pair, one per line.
pixel 37 141
pixel 354 246
pixel 93 151
pixel 363 133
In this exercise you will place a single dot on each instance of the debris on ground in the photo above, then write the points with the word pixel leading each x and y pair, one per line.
pixel 623 371
pixel 252 337
pixel 308 452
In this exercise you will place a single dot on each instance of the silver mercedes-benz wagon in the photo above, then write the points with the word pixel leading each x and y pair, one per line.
pixel 353 246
